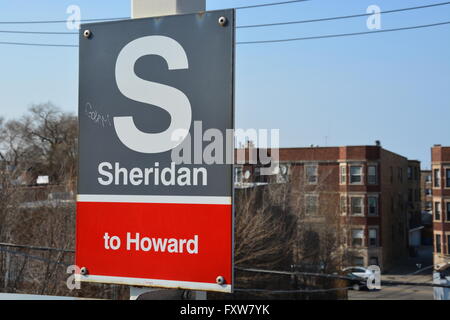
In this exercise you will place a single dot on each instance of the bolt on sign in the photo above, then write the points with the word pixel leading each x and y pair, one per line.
pixel 155 189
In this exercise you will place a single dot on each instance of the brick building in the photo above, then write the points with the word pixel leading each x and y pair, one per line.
pixel 374 192
pixel 440 167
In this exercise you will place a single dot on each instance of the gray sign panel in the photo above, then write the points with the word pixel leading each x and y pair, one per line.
pixel 140 80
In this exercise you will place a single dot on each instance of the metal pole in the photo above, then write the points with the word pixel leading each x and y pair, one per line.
pixel 157 8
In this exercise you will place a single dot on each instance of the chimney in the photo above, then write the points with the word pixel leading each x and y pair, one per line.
pixel 378 143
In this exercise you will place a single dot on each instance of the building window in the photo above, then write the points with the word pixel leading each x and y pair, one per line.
pixel 373 237
pixel 358 261
pixel 373 261
pixel 343 204
pixel 447 178
pixel 437 178
pixel 437 211
pixel 447 211
pixel 400 174
pixel 428 206
pixel 356 174
pixel 410 173
pixel 428 192
pixel 373 206
pixel 438 243
pixel 448 244
pixel 410 195
pixel 392 175
pixel 311 204
pixel 372 176
pixel 311 174
pixel 343 179
pixel 357 237
pixel 357 206
pixel 428 178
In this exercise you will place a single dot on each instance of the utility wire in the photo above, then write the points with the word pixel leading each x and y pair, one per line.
pixel 238 27
pixel 340 17
pixel 261 41
pixel 343 34
pixel 11 245
pixel 37 32
pixel 269 4
pixel 61 21
pixel 39 44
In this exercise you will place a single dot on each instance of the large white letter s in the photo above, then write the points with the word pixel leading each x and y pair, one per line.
pixel 168 98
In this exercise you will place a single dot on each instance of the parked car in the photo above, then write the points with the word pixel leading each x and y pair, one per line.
pixel 360 276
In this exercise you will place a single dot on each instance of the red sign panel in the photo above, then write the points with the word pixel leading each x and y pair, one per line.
pixel 139 244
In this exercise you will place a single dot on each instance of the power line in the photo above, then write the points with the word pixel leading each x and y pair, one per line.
pixel 269 4
pixel 260 41
pixel 37 248
pixel 343 34
pixel 61 21
pixel 39 44
pixel 38 32
pixel 238 27
pixel 340 17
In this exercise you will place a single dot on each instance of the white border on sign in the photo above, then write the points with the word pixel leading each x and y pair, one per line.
pixel 153 199
pixel 140 282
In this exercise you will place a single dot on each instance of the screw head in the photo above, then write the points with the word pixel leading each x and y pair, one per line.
pixel 220 280
pixel 84 271
pixel 223 21
pixel 87 34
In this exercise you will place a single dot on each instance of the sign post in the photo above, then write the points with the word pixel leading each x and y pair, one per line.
pixel 155 189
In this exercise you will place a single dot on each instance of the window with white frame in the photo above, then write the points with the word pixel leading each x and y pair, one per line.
pixel 311 174
pixel 372 174
pixel 357 237
pixel 437 211
pixel 357 205
pixel 373 205
pixel 356 176
pixel 343 174
pixel 437 178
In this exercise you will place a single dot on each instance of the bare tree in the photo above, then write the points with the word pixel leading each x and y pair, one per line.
pixel 43 141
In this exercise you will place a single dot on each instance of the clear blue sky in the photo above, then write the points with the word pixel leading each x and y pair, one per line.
pixel 393 87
